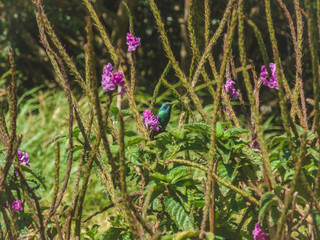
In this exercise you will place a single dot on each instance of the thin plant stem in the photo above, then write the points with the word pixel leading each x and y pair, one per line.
pixel 214 120
pixel 175 63
pixel 29 191
pixel 298 66
pixel 283 84
pixel 140 127
pixel 217 178
pixel 265 154
pixel 261 44
pixel 206 21
pixel 288 200
pixel 312 29
pixel 56 181
pixel 58 44
pixel 157 88
pixel 179 98
pixel 123 186
pixel 212 42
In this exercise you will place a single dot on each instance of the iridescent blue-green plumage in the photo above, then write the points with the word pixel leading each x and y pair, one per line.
pixel 163 117
pixel 164 114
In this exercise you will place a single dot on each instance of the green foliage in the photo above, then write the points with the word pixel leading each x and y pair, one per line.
pixel 96 173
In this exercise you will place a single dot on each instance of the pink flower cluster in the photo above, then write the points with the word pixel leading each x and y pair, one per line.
pixel 23 158
pixel 258 234
pixel 230 89
pixel 132 42
pixel 273 82
pixel 150 120
pixel 111 79
pixel 17 206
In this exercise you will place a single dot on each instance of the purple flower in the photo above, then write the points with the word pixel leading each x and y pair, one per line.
pixel 23 158
pixel 258 234
pixel 132 42
pixel 264 75
pixel 150 120
pixel 111 79
pixel 254 144
pixel 16 206
pixel 229 89
pixel 123 91
pixel 117 78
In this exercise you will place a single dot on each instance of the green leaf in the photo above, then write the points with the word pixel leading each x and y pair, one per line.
pixel 179 134
pixel 227 173
pixel 267 201
pixel 231 132
pixel 160 176
pixel 179 214
pixel 111 233
pixel 175 174
pixel 76 148
pixel 114 110
pixel 126 112
pixel 185 235
pixel 274 215
pixel 163 138
pixel 35 173
pixel 199 127
pixel 126 236
pixel 219 129
pixel 114 149
pixel 266 198
pixel 93 231
pixel 225 150
pixel 255 160
pixel 134 140
pixel 314 153
pixel 132 154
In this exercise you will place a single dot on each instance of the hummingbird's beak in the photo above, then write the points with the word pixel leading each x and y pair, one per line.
pixel 173 103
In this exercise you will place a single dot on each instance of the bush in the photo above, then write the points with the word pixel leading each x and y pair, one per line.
pixel 217 169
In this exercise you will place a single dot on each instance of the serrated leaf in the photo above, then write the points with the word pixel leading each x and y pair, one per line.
pixel 219 129
pixel 3 156
pixel 266 197
pixel 114 110
pixel 163 139
pixel 132 154
pixel 126 112
pixel 126 236
pixel 225 150
pixel 266 202
pixel 255 160
pixel 274 216
pixel 111 233
pixel 179 134
pixel 277 140
pixel 134 140
pixel 36 174
pixel 175 174
pixel 314 153
pixel 231 132
pixel 159 176
pixel 76 148
pixel 227 173
pixel 185 235
pixel 114 149
pixel 199 127
pixel 263 210
pixel 179 214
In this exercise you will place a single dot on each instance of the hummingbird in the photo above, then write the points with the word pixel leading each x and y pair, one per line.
pixel 163 117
